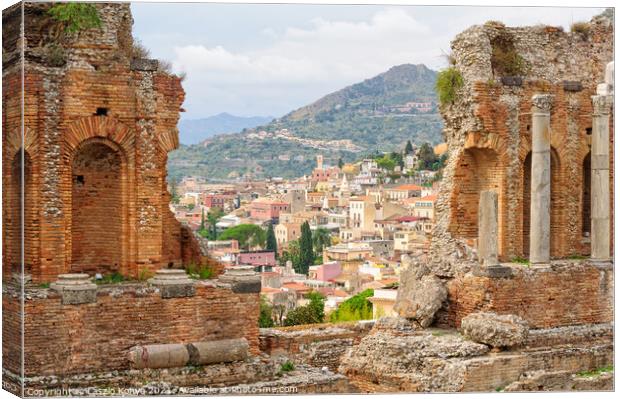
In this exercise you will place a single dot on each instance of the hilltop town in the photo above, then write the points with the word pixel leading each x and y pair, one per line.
pixel 363 217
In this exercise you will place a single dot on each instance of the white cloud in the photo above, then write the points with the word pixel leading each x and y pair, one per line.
pixel 302 64
pixel 295 65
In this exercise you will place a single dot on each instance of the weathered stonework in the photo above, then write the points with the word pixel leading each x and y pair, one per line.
pixel 97 127
pixel 489 130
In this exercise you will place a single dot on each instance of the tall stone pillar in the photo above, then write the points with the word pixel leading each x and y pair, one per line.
pixel 540 212
pixel 487 229
pixel 601 226
pixel 488 235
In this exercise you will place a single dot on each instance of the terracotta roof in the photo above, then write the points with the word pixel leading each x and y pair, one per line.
pixel 296 287
pixel 439 149
pixel 408 187
pixel 388 281
pixel 432 197
pixel 268 290
pixel 409 219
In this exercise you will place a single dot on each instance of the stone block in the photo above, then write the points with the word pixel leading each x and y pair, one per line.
pixel 495 330
pixel 173 283
pixel 496 271
pixel 420 299
pixel 144 64
pixel 512 80
pixel 241 280
pixel 75 289
pixel 570 85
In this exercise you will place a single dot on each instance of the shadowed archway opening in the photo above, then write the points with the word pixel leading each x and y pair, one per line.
pixel 585 197
pixel 21 223
pixel 96 209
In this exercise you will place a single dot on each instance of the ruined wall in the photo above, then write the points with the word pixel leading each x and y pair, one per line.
pixel 64 339
pixel 97 126
pixel 572 293
pixel 87 98
pixel 317 345
pixel 488 131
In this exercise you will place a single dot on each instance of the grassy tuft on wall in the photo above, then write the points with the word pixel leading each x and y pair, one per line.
pixel 449 81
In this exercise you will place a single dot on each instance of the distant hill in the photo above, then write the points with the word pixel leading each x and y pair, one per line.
pixel 193 131
pixel 378 114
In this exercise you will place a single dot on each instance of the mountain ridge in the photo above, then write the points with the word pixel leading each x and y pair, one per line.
pixel 194 131
pixel 378 114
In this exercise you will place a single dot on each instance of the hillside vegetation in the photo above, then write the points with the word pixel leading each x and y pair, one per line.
pixel 374 115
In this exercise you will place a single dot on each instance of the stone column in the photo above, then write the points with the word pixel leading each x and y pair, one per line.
pixel 487 229
pixel 540 211
pixel 488 235
pixel 600 236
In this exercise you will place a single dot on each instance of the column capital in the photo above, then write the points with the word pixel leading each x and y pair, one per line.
pixel 601 104
pixel 542 103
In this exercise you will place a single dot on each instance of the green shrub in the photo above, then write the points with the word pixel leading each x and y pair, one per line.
pixel 449 81
pixel 520 260
pixel 264 319
pixel 76 16
pixel 505 60
pixel 44 285
pixel 312 313
pixel 112 278
pixel 55 55
pixel 358 307
pixel 145 274
pixel 199 272
pixel 596 372
pixel 287 366
pixel 582 28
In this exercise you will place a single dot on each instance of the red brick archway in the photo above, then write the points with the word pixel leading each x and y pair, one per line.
pixel 478 169
pixel 97 208
pixel 99 159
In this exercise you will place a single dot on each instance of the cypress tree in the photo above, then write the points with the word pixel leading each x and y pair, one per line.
pixel 306 252
pixel 272 244
pixel 408 147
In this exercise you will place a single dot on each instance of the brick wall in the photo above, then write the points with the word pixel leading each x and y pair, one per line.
pixel 114 218
pixel 66 339
pixel 573 293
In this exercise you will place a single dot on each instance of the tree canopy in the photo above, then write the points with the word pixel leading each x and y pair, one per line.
pixel 312 313
pixel 248 235
pixel 358 307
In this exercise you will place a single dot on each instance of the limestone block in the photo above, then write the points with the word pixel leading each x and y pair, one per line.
pixel 241 280
pixel 572 85
pixel 158 356
pixel 420 299
pixel 173 283
pixel 495 330
pixel 75 288
pixel 144 64
pixel 222 351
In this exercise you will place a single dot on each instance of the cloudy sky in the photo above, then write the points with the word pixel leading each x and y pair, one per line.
pixel 261 59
